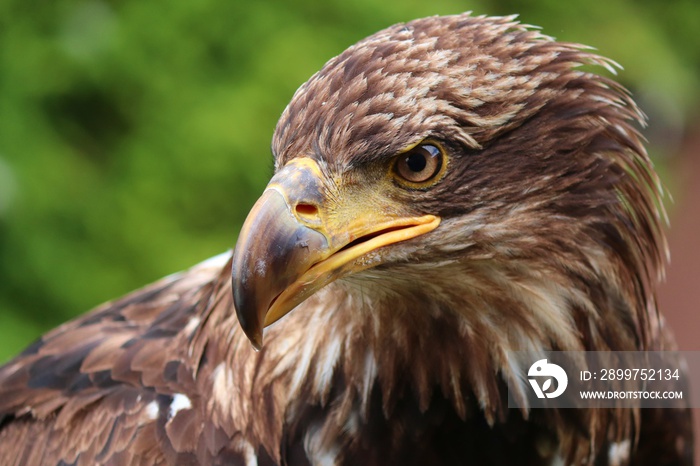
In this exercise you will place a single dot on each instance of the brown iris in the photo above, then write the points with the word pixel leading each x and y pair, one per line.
pixel 419 165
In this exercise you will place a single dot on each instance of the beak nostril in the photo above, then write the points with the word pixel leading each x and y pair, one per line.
pixel 306 209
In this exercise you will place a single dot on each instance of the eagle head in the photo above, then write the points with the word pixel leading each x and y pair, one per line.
pixel 466 166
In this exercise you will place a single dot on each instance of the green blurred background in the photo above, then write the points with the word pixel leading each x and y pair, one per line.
pixel 134 135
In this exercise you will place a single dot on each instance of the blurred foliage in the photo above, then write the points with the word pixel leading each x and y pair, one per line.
pixel 134 136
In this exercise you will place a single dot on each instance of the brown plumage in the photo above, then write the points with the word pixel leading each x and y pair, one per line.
pixel 447 191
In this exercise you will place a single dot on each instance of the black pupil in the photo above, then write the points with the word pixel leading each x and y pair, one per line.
pixel 416 162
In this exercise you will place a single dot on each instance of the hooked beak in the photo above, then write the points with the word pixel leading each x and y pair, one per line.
pixel 292 244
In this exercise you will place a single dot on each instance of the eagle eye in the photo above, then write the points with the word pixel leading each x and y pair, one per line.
pixel 419 165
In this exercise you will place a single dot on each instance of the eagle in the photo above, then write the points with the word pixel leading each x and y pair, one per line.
pixel 446 192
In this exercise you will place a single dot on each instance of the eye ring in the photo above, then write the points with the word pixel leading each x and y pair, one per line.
pixel 419 166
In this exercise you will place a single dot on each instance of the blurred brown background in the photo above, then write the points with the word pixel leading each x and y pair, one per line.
pixel 679 295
